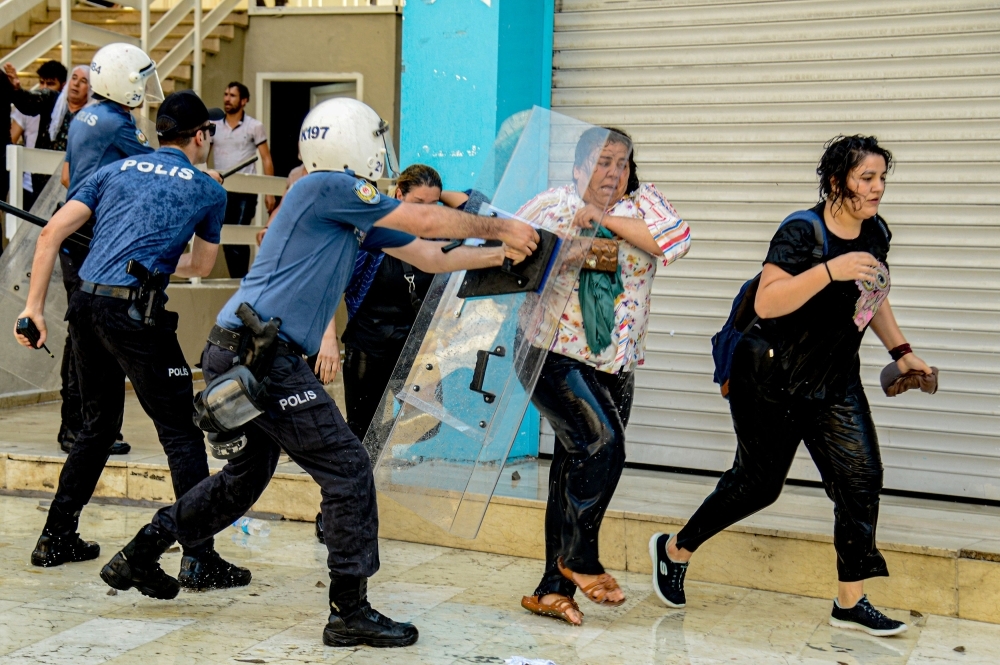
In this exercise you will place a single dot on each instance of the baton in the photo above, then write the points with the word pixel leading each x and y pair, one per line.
pixel 238 167
pixel 77 237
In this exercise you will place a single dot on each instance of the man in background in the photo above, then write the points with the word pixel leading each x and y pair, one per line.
pixel 239 137
pixel 33 127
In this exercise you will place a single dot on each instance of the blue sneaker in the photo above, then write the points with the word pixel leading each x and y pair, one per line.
pixel 865 617
pixel 668 576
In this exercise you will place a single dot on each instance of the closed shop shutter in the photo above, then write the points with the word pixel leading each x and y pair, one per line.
pixel 729 105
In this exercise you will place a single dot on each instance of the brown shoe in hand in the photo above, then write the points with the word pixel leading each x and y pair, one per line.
pixel 895 382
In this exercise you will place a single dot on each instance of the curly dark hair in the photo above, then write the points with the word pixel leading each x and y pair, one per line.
pixel 52 69
pixel 841 155
pixel 418 175
pixel 598 137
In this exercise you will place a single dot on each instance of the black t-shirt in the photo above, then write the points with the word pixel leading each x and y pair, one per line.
pixel 384 318
pixel 816 346
pixel 383 321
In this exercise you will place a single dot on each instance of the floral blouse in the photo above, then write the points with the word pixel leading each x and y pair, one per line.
pixel 671 233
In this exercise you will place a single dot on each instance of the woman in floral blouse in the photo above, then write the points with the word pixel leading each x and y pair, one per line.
pixel 584 392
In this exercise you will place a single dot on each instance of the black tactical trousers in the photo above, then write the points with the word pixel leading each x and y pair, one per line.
pixel 110 346
pixel 588 410
pixel 302 419
pixel 71 411
pixel 365 380
pixel 840 436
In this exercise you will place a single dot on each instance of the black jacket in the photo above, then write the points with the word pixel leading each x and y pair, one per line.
pixel 37 102
pixel 6 97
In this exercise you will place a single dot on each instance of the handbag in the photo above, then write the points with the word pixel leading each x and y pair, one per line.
pixel 603 255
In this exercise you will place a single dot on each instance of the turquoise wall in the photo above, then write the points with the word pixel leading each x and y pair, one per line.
pixel 468 65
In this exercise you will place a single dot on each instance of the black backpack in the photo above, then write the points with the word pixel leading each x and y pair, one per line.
pixel 743 317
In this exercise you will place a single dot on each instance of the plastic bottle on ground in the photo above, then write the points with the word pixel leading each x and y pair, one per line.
pixel 252 527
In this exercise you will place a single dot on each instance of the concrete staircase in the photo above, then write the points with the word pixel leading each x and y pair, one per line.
pixel 127 22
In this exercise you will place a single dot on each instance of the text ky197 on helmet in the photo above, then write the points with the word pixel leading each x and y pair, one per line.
pixel 343 134
pixel 125 74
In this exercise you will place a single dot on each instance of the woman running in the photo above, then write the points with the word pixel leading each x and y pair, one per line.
pixel 796 376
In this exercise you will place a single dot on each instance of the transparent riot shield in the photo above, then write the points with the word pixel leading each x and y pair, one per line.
pixel 24 369
pixel 465 377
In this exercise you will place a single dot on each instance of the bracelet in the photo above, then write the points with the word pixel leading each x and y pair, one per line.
pixel 900 351
pixel 830 274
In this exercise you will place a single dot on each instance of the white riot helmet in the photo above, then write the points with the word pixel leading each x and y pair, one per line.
pixel 125 74
pixel 343 134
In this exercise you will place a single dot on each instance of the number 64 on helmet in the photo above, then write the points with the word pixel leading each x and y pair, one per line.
pixel 125 74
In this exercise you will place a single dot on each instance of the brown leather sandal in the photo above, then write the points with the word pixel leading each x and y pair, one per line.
pixel 598 590
pixel 556 610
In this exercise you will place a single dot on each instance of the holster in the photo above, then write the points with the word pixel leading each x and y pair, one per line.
pixel 149 305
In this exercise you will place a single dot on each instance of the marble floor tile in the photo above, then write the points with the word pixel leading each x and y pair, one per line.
pixel 465 604
pixel 947 640
pixel 93 642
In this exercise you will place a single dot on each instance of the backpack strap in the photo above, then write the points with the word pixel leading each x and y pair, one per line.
pixel 819 231
pixel 885 229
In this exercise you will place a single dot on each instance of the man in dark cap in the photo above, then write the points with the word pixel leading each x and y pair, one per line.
pixel 146 208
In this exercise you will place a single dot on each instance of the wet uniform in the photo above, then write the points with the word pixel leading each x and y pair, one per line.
pixel 99 134
pixel 299 276
pixel 147 209
pixel 797 377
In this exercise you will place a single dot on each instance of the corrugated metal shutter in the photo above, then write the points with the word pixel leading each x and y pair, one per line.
pixel 730 104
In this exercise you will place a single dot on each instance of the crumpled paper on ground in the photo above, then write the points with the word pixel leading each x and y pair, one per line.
pixel 521 660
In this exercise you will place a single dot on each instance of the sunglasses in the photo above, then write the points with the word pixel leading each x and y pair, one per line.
pixel 209 129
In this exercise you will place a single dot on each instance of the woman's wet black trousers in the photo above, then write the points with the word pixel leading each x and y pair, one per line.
pixel 588 410
pixel 840 436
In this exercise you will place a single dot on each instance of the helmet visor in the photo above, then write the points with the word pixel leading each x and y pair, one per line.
pixel 392 164
pixel 153 90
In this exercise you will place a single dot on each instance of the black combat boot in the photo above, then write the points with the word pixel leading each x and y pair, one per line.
pixel 137 566
pixel 204 569
pixel 60 543
pixel 55 549
pixel 353 621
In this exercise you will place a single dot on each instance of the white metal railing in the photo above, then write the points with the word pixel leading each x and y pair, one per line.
pixel 272 7
pixel 64 31
pixel 21 160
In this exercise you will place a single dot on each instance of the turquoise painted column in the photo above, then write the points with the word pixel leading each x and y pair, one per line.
pixel 468 65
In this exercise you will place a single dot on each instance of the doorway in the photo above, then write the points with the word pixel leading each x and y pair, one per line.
pixel 284 101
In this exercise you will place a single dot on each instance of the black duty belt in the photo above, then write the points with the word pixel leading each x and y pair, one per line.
pixel 232 340
pixel 120 292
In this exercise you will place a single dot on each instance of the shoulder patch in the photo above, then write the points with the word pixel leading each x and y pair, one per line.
pixel 366 192
pixel 140 137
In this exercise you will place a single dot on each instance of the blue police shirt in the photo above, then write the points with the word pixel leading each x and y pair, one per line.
pixel 147 207
pixel 307 256
pixel 100 134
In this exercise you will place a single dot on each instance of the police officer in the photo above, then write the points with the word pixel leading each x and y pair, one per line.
pixel 299 276
pixel 146 209
pixel 122 77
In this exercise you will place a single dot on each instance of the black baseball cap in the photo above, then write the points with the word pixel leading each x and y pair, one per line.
pixel 183 112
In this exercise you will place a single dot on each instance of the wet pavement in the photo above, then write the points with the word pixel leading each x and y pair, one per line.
pixel 465 604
